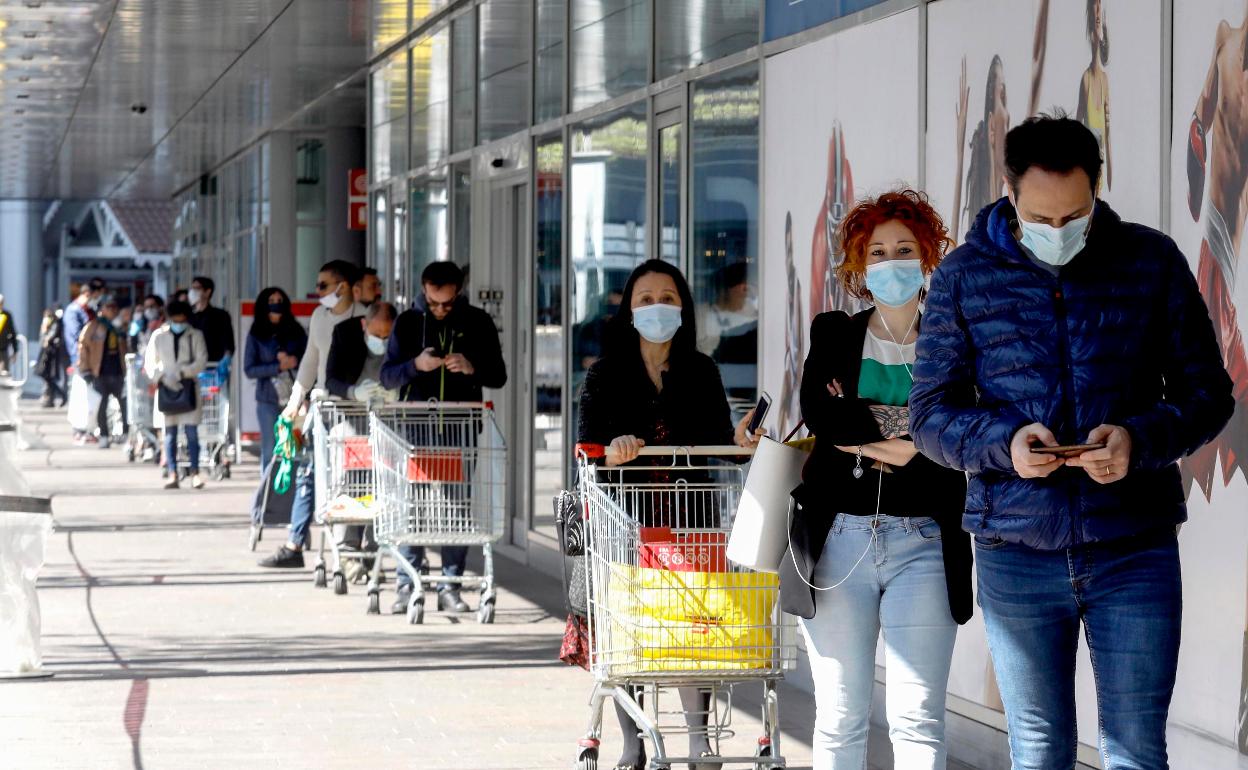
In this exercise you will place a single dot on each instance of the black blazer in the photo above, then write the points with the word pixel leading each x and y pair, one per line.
pixel 919 488
pixel 347 353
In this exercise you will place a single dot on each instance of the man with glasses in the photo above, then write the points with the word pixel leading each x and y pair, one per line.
pixel 334 286
pixel 446 350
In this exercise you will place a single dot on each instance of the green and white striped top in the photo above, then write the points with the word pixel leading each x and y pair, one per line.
pixel 885 378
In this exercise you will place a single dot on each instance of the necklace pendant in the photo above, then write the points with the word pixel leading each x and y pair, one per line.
pixel 858 472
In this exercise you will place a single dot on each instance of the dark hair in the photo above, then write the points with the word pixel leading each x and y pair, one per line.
pixel 264 329
pixel 1104 28
pixel 367 271
pixel 206 282
pixel 383 309
pixel 343 270
pixel 1055 143
pixel 96 284
pixel 159 300
pixel 439 274
pixel 178 307
pixel 622 340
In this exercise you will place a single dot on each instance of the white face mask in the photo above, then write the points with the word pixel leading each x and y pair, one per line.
pixel 657 323
pixel 194 296
pixel 330 301
pixel 1056 246
pixel 376 345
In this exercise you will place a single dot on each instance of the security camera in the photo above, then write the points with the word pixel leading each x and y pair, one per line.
pixel 497 162
pixel 138 108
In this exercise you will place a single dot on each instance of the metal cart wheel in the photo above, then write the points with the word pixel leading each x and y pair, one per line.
pixel 340 584
pixel 588 760
pixel 416 610
pixel 129 454
pixel 318 576
pixel 374 602
pixel 485 613
pixel 256 534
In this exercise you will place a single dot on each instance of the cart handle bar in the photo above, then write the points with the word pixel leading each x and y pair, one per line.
pixel 598 451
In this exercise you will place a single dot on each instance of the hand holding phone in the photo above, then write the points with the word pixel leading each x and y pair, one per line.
pixel 1065 452
pixel 750 429
pixel 760 413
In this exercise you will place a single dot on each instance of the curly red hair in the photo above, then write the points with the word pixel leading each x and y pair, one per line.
pixel 907 206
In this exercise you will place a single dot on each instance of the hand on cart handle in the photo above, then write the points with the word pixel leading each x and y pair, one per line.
pixel 624 449
pixel 589 451
pixel 428 360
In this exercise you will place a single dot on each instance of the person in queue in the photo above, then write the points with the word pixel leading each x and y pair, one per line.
pixel 334 285
pixel 877 545
pixel 176 354
pixel 214 322
pixel 652 387
pixel 102 363
pixel 1058 324
pixel 275 345
pixel 442 349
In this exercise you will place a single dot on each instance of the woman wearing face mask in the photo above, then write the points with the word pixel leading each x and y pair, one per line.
pixel 876 536
pixel 274 346
pixel 176 355
pixel 652 387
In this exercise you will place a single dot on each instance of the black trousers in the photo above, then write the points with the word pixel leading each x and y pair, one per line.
pixel 110 385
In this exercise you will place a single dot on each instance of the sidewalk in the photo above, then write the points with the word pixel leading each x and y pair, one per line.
pixel 171 649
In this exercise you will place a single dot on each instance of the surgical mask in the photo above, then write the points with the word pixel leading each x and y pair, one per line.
pixel 1056 245
pixel 896 281
pixel 151 314
pixel 194 296
pixel 376 345
pixel 330 301
pixel 657 323
pixel 177 327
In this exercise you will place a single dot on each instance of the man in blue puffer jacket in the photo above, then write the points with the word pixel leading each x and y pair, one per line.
pixel 1057 323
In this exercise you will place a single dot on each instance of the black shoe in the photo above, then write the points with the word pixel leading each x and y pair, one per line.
pixel 284 558
pixel 449 600
pixel 401 599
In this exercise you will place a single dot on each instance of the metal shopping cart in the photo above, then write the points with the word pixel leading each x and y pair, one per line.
pixel 666 608
pixel 343 472
pixel 140 414
pixel 214 427
pixel 440 475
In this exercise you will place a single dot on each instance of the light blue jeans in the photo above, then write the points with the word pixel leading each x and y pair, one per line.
pixel 898 587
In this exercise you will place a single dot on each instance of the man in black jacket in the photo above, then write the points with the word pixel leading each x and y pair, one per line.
pixel 357 352
pixel 214 322
pixel 446 350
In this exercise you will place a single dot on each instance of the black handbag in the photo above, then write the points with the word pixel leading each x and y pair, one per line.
pixel 170 401
pixel 570 525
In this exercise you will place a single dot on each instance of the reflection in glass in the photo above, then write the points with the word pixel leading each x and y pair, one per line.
pixel 379 231
pixel 461 241
pixel 389 118
pixel 389 22
pixel 548 332
pixel 398 248
pixel 464 72
pixel 310 180
pixel 608 228
pixel 422 8
pixel 431 73
pixel 504 57
pixel 724 229
pixel 669 193
pixel 610 49
pixel 429 224
pixel 548 100
pixel 693 32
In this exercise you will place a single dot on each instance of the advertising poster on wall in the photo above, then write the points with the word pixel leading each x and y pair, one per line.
pixel 832 136
pixel 1209 173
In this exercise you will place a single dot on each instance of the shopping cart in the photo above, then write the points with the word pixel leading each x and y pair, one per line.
pixel 440 472
pixel 666 608
pixel 140 405
pixel 214 427
pixel 343 472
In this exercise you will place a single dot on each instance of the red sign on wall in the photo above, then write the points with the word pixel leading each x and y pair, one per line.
pixel 357 199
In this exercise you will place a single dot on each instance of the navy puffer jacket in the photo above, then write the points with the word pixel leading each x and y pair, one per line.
pixel 1119 336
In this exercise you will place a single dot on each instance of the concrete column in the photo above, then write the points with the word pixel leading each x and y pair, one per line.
pixel 344 150
pixel 21 264
pixel 280 270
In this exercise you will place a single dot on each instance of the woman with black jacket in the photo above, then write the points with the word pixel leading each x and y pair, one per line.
pixel 876 538
pixel 274 346
pixel 653 388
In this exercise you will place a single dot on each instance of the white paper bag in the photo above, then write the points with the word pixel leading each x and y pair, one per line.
pixel 84 404
pixel 760 530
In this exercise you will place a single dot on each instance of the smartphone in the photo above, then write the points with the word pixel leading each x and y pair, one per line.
pixel 760 413
pixel 1074 450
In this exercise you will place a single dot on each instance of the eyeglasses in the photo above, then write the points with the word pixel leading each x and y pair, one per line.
pixel 322 286
pixel 442 305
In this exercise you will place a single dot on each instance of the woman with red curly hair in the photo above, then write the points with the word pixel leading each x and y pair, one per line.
pixel 876 538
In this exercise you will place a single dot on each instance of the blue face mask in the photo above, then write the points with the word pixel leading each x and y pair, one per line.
pixel 178 328
pixel 1055 245
pixel 657 323
pixel 896 281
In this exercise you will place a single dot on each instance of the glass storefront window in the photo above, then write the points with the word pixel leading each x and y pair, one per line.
pixel 608 225
pixel 693 32
pixel 389 23
pixel 422 8
pixel 669 193
pixel 379 231
pixel 504 57
pixel 548 80
pixel 548 334
pixel 310 180
pixel 431 87
pixel 390 85
pixel 724 228
pixel 429 211
pixel 461 240
pixel 610 50
pixel 464 73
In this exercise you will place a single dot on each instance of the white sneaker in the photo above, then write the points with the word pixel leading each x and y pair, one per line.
pixel 197 482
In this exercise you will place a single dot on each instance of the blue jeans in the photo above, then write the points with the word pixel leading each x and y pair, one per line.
pixel 267 415
pixel 454 557
pixel 898 586
pixel 192 447
pixel 304 504
pixel 1128 594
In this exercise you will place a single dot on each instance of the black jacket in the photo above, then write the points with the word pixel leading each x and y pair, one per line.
pixel 919 488
pixel 347 353
pixel 468 331
pixel 218 331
